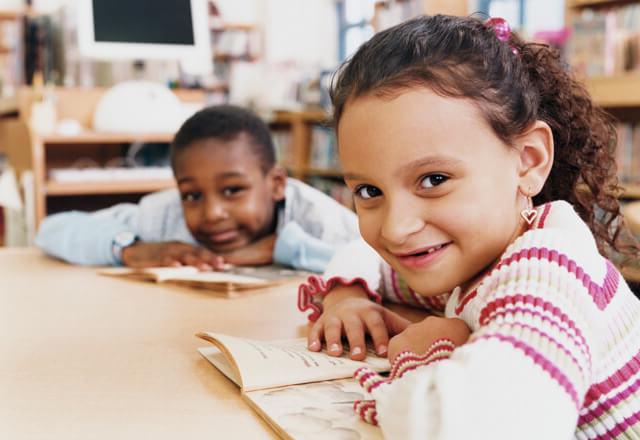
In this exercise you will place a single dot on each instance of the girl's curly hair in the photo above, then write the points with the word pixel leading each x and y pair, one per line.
pixel 514 84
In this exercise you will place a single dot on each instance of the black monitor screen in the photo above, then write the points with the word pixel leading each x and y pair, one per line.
pixel 143 21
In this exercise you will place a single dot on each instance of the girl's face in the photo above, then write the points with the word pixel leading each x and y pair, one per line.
pixel 436 191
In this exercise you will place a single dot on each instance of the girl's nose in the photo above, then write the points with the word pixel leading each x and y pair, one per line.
pixel 400 223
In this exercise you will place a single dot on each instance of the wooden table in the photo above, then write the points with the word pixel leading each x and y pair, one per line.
pixel 84 356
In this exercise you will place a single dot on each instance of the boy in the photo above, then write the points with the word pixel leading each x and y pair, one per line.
pixel 233 204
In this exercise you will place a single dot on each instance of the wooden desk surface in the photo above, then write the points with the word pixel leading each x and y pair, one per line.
pixel 84 356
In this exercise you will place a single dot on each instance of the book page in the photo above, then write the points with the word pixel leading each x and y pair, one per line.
pixel 238 276
pixel 270 364
pixel 158 274
pixel 320 410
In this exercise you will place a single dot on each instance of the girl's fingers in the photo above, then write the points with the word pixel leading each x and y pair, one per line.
pixel 378 331
pixel 315 334
pixel 354 330
pixel 332 334
pixel 394 323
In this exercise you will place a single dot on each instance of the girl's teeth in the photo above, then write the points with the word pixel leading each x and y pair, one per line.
pixel 433 249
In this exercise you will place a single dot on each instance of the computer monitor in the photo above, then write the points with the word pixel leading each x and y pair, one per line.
pixel 144 29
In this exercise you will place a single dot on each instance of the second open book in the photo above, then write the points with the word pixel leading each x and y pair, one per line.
pixel 301 394
pixel 230 283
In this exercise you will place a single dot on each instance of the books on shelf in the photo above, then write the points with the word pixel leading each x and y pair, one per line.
pixel 323 153
pixel 606 41
pixel 282 145
pixel 301 394
pixel 230 283
pixel 628 153
pixel 334 188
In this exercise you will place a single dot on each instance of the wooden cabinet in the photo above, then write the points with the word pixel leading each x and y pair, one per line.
pixel 39 154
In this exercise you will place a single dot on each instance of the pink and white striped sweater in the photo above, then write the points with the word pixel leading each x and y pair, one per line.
pixel 554 351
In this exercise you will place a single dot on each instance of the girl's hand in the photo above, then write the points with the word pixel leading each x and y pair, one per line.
pixel 170 253
pixel 420 336
pixel 258 253
pixel 350 309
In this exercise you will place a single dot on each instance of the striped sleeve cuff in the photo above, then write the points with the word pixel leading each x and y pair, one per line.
pixel 311 293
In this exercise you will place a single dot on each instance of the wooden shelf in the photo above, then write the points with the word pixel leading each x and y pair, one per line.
pixel 92 137
pixel 631 191
pixel 227 58
pixel 321 172
pixel 576 4
pixel 92 188
pixel 313 116
pixel 11 15
pixel 244 27
pixel 631 274
pixel 615 91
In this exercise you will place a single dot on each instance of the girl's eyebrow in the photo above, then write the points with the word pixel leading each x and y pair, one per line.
pixel 433 161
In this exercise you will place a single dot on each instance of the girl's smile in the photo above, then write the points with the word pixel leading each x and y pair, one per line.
pixel 421 258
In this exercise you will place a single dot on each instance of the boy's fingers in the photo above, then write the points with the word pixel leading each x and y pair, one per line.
pixel 170 262
pixel 218 263
pixel 189 259
pixel 332 334
pixel 207 256
pixel 378 331
pixel 354 330
pixel 315 333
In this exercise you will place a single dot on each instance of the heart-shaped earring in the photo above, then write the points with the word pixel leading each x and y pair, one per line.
pixel 529 214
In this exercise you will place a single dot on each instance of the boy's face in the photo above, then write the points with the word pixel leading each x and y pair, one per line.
pixel 436 191
pixel 228 201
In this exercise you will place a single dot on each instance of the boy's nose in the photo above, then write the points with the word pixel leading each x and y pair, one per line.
pixel 216 211
pixel 400 223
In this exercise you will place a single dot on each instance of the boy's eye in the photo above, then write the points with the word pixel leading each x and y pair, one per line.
pixel 367 192
pixel 232 190
pixel 433 180
pixel 191 196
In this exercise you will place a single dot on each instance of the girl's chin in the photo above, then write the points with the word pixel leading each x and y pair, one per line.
pixel 426 288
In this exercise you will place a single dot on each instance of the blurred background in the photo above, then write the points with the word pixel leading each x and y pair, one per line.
pixel 91 91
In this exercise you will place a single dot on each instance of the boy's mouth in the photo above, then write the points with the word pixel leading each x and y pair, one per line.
pixel 222 237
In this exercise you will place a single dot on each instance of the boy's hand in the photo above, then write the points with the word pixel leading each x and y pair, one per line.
pixel 170 253
pixel 258 253
pixel 420 336
pixel 350 309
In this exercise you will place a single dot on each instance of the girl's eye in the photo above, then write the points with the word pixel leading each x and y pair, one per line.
pixel 231 191
pixel 367 192
pixel 433 180
pixel 192 196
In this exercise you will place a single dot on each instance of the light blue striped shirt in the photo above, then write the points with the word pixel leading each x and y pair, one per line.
pixel 311 226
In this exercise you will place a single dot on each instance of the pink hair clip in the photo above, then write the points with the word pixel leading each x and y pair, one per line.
pixel 501 29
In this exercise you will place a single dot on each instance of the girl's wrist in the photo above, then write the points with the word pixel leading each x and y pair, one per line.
pixel 341 293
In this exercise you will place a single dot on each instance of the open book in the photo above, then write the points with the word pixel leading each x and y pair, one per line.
pixel 301 394
pixel 230 282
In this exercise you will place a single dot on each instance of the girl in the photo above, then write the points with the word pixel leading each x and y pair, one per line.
pixel 448 128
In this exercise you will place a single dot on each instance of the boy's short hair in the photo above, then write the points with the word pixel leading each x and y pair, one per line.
pixel 226 122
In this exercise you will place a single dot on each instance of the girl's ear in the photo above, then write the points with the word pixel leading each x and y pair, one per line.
pixel 277 177
pixel 536 157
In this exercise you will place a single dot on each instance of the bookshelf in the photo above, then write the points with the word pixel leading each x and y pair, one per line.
pixel 29 151
pixel 617 91
pixel 299 125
